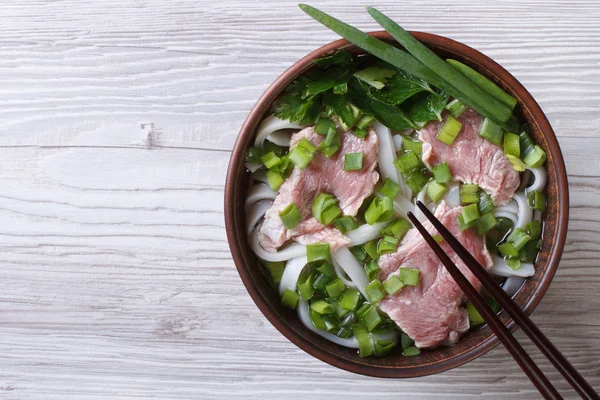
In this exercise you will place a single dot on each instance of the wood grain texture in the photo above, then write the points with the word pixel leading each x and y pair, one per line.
pixel 116 122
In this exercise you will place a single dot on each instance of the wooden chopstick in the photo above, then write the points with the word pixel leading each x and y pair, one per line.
pixel 574 378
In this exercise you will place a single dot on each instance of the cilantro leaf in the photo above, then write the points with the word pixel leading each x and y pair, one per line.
pixel 295 108
pixel 401 87
pixel 323 81
pixel 339 58
pixel 337 105
pixel 427 107
pixel 375 76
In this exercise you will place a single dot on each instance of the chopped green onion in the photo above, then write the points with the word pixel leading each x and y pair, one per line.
pixel 486 222
pixel 435 191
pixel 513 263
pixel 345 224
pixel 375 291
pixel 410 276
pixel 393 285
pixel 511 144
pixel 254 154
pixel 290 216
pixel 518 238
pixel 322 307
pixel 371 318
pixel 491 131
pixel 383 347
pixel 371 249
pixel 340 311
pixel 536 158
pixel 389 188
pixel 380 210
pixel 325 268
pixel 359 253
pixel 407 162
pixel 323 124
pixel 325 208
pixel 318 252
pixel 321 281
pixel 350 299
pixel 275 269
pixel 365 341
pixel 462 225
pixel 405 340
pixel 516 163
pixel 372 269
pixel 529 252
pixel 526 145
pixel 410 144
pixel 534 229
pixel 332 324
pixel 270 159
pixel 508 250
pixel 456 107
pixel 441 173
pixel 411 351
pixel 474 317
pixel 365 121
pixel 331 144
pixel 470 213
pixel 397 228
pixel 316 319
pixel 274 180
pixel 335 288
pixel 360 133
pixel 416 180
pixel 485 203
pixel 302 154
pixel 438 239
pixel 449 130
pixel 306 288
pixel 289 299
pixel 536 200
pixel 387 245
pixel 353 161
pixel 468 193
pixel 344 332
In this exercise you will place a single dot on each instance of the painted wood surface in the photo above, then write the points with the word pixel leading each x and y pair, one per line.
pixel 117 119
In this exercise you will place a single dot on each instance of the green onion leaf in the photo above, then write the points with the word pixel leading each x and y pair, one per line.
pixel 323 125
pixel 380 210
pixel 318 252
pixel 516 163
pixel 290 216
pixel 371 318
pixel 462 225
pixel 407 162
pixel 456 107
pixel 275 269
pixel 372 269
pixel 359 253
pixel 413 145
pixel 375 291
pixel 365 341
pixel 534 229
pixel 331 144
pixel 470 213
pixel 469 193
pixel 441 173
pixel 485 203
pixel 335 288
pixel 306 288
pixel 345 224
pixel 383 347
pixel 416 180
pixel 389 188
pixel 491 131
pixel 486 222
pixel 411 351
pixel 254 155
pixel 397 228
pixel 513 263
pixel 511 144
pixel 365 121
pixel 289 299
pixel 536 158
pixel 449 130
pixel 275 180
pixel 302 154
pixel 536 200
pixel 270 160
pixel 322 307
pixel 435 191
pixel 353 161
pixel 406 341
pixel 325 268
pixel 518 238
pixel 387 245
pixel 371 249
pixel 410 276
pixel 393 285
pixel 325 208
pixel 508 250
pixel 474 317
pixel 350 299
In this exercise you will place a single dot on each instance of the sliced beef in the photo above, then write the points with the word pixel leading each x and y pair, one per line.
pixel 431 312
pixel 471 158
pixel 321 175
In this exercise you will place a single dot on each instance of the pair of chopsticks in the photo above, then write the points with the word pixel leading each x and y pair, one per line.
pixel 537 377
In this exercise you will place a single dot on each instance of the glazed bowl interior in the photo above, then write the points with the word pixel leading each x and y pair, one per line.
pixel 475 342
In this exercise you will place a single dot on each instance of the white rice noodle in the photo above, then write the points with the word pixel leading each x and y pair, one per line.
pixel 342 275
pixel 259 192
pixel 281 138
pixel 540 179
pixel 352 268
pixel 452 196
pixel 511 207
pixel 537 215
pixel 512 284
pixel 305 318
pixel 260 176
pixel 252 167
pixel 291 273
pixel 501 269
pixel 397 139
pixel 256 212
pixel 386 156
pixel 293 250
pixel 365 233
pixel 416 210
pixel 525 214
pixel 269 125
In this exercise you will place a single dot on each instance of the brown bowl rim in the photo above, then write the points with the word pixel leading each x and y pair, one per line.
pixel 491 68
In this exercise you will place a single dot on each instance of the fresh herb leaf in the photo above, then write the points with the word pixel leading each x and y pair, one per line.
pixel 375 76
pixel 427 107
pixel 295 108
pixel 401 87
pixel 325 80
pixel 388 115
pixel 337 105
pixel 339 58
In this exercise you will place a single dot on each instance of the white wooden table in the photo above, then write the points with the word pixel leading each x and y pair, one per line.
pixel 116 122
